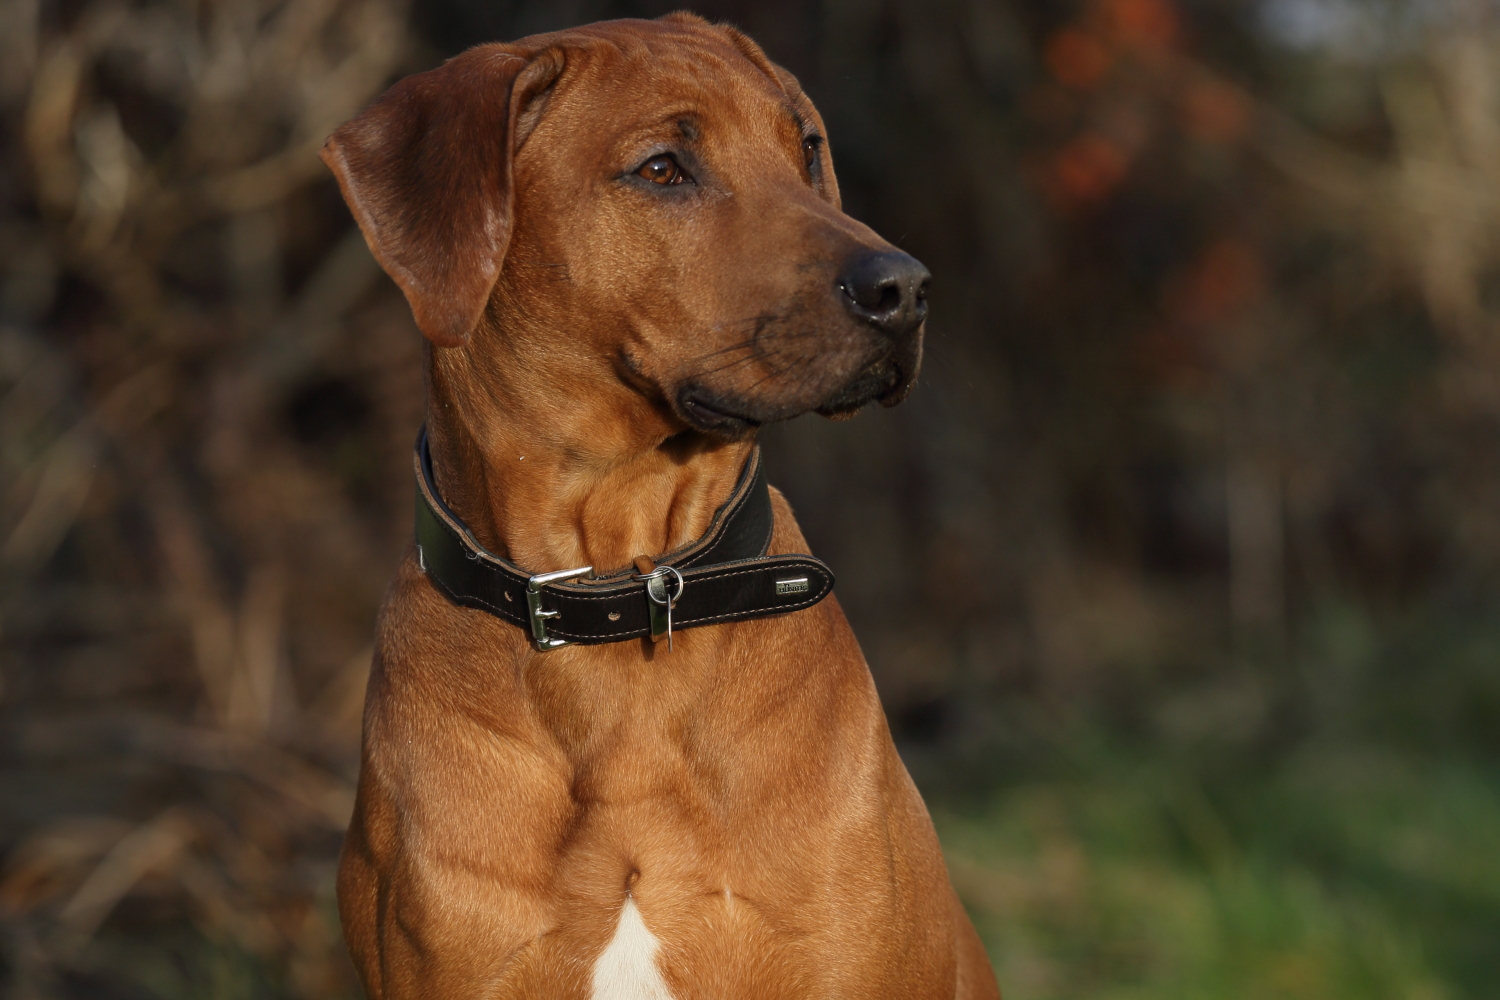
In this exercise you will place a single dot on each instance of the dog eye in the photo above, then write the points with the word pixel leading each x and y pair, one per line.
pixel 662 170
pixel 810 146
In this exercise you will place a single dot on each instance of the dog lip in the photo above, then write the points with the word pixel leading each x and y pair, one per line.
pixel 899 387
pixel 879 381
pixel 708 413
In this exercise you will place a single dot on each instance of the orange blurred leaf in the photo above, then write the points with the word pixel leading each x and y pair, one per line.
pixel 1077 59
pixel 1227 278
pixel 1216 112
pixel 1088 168
pixel 1144 24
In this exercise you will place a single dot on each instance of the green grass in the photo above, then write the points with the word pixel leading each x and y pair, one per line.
pixel 1341 875
pixel 1337 873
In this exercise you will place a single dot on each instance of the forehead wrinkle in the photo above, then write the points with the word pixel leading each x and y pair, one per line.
pixel 703 103
pixel 752 108
pixel 714 58
pixel 715 88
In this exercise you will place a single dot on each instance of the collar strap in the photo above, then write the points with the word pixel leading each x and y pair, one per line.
pixel 724 576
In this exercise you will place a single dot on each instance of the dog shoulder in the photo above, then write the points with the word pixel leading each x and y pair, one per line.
pixel 787 535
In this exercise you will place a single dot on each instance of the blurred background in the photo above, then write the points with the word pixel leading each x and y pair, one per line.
pixel 1179 572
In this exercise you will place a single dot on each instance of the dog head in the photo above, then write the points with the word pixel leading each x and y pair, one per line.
pixel 652 202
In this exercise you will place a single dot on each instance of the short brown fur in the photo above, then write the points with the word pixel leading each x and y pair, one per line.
pixel 743 789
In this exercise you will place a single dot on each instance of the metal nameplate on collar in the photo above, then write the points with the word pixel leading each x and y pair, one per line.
pixel 539 615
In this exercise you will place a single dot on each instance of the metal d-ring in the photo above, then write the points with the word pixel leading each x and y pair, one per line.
pixel 539 616
pixel 658 574
pixel 659 604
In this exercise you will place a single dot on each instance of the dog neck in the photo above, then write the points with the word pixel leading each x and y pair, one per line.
pixel 571 468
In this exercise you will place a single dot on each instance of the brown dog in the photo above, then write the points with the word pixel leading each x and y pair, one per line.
pixel 624 243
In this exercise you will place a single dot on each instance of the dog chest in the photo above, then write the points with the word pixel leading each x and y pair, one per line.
pixel 626 969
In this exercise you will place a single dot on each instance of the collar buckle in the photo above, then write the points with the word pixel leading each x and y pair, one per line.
pixel 539 615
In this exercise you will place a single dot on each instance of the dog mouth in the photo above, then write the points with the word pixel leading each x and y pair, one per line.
pixel 708 412
pixel 886 380
pixel 882 381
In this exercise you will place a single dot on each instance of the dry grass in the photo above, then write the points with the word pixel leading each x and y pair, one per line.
pixel 189 557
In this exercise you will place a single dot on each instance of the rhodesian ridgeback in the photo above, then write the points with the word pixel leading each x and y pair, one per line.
pixel 671 777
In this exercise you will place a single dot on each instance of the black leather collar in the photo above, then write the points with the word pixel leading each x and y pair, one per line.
pixel 725 575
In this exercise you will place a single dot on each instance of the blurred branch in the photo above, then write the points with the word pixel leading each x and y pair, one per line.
pixel 167 154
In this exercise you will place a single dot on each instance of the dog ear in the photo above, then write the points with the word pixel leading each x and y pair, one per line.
pixel 427 170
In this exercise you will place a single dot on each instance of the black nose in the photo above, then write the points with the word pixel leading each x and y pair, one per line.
pixel 887 290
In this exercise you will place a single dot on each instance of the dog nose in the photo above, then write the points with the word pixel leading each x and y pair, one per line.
pixel 887 290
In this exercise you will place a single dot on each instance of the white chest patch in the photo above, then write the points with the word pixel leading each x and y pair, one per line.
pixel 627 968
